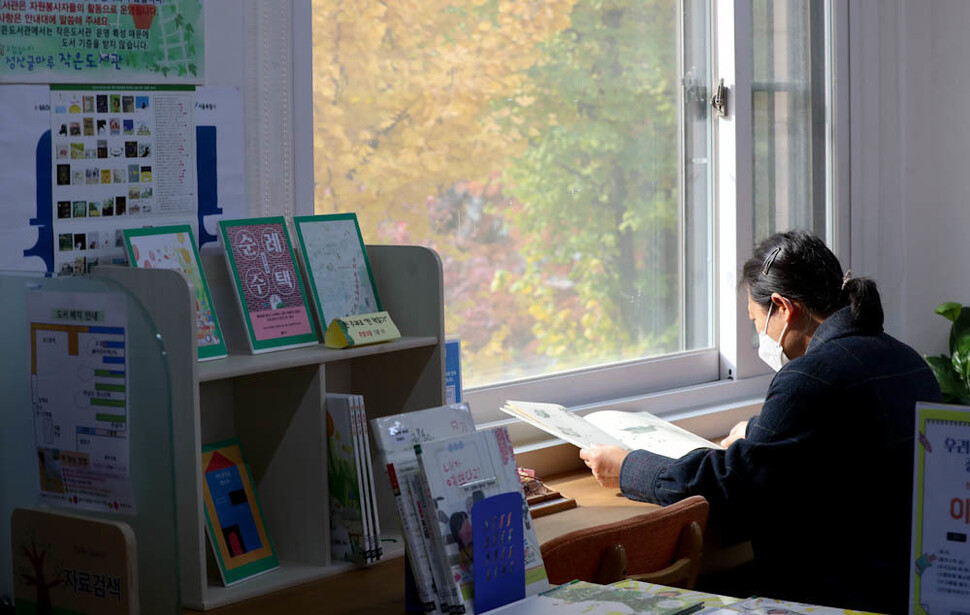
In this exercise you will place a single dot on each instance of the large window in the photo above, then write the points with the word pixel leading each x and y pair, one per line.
pixel 558 155
pixel 790 99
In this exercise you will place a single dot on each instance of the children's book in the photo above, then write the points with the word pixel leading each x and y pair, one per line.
pixel 631 430
pixel 769 606
pixel 233 516
pixel 395 437
pixel 370 494
pixel 350 533
pixel 335 260
pixel 674 596
pixel 269 290
pixel 174 247
pixel 65 563
pixel 458 472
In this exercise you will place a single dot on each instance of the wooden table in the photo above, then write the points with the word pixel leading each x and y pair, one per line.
pixel 595 505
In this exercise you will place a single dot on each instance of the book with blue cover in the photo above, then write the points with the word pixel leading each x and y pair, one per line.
pixel 233 516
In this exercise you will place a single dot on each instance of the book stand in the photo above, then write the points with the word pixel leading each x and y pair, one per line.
pixel 497 551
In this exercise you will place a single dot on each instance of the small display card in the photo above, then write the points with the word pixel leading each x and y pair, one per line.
pixel 360 330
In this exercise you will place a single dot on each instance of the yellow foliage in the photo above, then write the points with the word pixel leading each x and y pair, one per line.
pixel 403 93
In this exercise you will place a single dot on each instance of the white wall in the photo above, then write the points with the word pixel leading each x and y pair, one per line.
pixel 910 169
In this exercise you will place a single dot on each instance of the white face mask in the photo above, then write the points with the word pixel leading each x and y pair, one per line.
pixel 769 350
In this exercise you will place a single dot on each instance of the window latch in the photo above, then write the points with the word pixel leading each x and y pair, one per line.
pixel 719 100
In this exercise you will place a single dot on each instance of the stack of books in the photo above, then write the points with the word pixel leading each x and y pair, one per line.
pixel 439 467
pixel 355 529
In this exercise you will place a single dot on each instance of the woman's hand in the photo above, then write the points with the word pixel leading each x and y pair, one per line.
pixel 737 433
pixel 605 462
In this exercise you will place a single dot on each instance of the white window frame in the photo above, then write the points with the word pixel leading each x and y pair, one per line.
pixel 707 390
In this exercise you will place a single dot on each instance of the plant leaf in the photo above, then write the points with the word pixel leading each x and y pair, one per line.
pixel 951 384
pixel 949 310
pixel 960 333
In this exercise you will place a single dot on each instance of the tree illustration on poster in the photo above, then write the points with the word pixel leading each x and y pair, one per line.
pixel 37 575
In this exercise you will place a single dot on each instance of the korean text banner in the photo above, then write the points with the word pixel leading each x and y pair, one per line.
pixel 102 41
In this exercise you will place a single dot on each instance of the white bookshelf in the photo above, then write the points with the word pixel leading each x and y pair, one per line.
pixel 273 403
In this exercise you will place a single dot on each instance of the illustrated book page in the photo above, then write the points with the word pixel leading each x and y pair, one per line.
pixel 461 471
pixel 631 430
pixel 758 606
pixel 174 247
pixel 395 437
pixel 233 516
pixel 337 267
pixel 269 289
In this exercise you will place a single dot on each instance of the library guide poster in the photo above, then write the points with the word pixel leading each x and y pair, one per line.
pixel 101 41
pixel 121 158
pixel 77 362
pixel 941 504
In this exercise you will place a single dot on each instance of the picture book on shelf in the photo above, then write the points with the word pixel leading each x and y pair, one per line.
pixel 233 516
pixel 631 430
pixel 174 247
pixel 455 474
pixel 395 437
pixel 359 415
pixel 269 289
pixel 335 260
pixel 351 531
pixel 64 563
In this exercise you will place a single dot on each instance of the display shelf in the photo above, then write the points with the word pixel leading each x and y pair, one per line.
pixel 243 365
pixel 274 403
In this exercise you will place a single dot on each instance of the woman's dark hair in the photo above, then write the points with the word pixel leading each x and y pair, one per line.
pixel 799 266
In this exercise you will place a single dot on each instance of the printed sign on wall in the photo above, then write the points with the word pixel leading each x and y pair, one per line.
pixel 102 41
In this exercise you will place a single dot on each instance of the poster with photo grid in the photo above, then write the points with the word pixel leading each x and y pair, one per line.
pixel 122 157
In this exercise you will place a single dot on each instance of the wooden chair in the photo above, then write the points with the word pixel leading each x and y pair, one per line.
pixel 662 546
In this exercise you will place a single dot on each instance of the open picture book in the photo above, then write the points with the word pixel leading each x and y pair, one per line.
pixel 631 430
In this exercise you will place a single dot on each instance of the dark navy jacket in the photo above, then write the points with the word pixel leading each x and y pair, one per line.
pixel 822 483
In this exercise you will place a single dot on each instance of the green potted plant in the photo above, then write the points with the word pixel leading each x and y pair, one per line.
pixel 953 372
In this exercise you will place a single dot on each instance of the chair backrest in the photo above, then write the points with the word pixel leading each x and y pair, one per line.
pixel 666 539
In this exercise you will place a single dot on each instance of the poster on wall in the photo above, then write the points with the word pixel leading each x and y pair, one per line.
pixel 940 573
pixel 78 370
pixel 26 156
pixel 121 158
pixel 25 177
pixel 103 41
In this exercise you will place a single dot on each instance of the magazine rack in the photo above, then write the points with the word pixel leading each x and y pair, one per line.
pixel 497 551
pixel 150 437
pixel 274 404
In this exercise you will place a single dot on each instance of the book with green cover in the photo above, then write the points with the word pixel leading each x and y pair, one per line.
pixel 336 264
pixel 233 516
pixel 174 247
pixel 269 288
